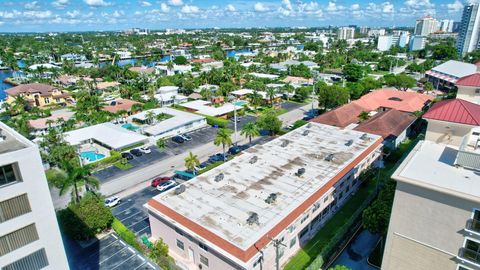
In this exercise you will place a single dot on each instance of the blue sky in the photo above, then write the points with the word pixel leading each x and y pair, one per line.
pixel 87 15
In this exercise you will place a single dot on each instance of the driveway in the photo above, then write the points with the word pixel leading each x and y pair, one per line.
pixel 242 121
pixel 289 106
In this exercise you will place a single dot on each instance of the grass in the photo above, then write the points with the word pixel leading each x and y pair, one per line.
pixel 313 248
pixel 123 166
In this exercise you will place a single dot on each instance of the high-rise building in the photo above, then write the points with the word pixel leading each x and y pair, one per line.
pixel 399 38
pixel 446 26
pixel 425 26
pixel 345 33
pixel 456 27
pixel 417 43
pixel 435 220
pixel 29 233
pixel 468 34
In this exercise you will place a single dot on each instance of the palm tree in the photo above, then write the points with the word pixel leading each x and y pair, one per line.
pixel 224 138
pixel 161 144
pixel 271 95
pixel 19 105
pixel 73 177
pixel 150 117
pixel 250 130
pixel 191 161
pixel 255 99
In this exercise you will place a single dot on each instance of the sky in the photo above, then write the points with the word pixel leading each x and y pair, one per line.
pixel 106 15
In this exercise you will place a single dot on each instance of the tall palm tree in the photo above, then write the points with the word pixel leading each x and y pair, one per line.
pixel 150 116
pixel 72 179
pixel 224 138
pixel 271 95
pixel 191 161
pixel 250 130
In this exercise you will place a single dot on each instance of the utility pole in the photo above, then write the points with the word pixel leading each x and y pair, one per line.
pixel 277 243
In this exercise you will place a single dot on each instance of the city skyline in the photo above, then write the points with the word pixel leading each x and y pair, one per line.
pixel 108 15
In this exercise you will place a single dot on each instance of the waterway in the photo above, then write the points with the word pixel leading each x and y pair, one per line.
pixel 4 86
pixel 355 255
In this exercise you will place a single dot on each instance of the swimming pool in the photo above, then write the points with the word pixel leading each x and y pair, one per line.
pixel 130 126
pixel 240 103
pixel 91 156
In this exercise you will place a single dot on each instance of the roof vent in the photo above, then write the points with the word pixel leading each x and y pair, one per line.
pixel 305 133
pixel 364 136
pixel 309 125
pixel 300 172
pixel 180 189
pixel 253 159
pixel 284 143
pixel 329 157
pixel 349 142
pixel 219 177
pixel 253 219
pixel 271 198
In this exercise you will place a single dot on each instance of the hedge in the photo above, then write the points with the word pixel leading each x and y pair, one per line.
pixel 212 121
pixel 114 157
pixel 127 235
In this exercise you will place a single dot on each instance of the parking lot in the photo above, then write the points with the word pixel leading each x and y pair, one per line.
pixel 288 105
pixel 131 213
pixel 110 253
pixel 241 122
pixel 199 137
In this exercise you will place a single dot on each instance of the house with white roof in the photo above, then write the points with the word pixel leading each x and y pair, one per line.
pixel 205 108
pixel 176 69
pixel 445 76
pixel 168 95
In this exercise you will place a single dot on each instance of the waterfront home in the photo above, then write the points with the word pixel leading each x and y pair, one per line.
pixel 121 104
pixel 39 95
pixel 41 126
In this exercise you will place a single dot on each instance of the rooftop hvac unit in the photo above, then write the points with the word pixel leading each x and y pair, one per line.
pixel 474 139
pixel 300 172
pixel 364 136
pixel 253 159
pixel 349 142
pixel 284 143
pixel 180 189
pixel 305 133
pixel 271 198
pixel 219 177
pixel 329 157
pixel 253 219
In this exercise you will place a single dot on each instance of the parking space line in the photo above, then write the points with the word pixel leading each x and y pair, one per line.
pixel 141 212
pixel 139 232
pixel 138 221
pixel 133 255
pixel 103 248
pixel 113 254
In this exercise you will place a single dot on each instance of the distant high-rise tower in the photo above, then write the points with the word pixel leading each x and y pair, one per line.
pixel 425 26
pixel 346 33
pixel 469 30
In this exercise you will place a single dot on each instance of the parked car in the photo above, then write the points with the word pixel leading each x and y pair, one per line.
pixel 215 158
pixel 160 180
pixel 167 185
pixel 178 139
pixel 136 152
pixel 112 201
pixel 127 155
pixel 203 165
pixel 234 150
pixel 145 150
pixel 290 126
pixel 186 137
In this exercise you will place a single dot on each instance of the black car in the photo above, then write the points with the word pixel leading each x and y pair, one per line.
pixel 178 139
pixel 234 150
pixel 136 152
pixel 128 156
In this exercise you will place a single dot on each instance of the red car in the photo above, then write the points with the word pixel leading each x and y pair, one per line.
pixel 160 180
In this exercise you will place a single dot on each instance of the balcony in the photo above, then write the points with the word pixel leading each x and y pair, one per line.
pixel 469 255
pixel 473 225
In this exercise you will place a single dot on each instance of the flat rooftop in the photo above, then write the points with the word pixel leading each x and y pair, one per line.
pixel 441 175
pixel 223 207
pixel 11 141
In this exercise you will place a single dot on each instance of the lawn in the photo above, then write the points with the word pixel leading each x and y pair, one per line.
pixel 123 166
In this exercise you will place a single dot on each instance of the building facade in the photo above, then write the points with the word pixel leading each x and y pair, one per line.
pixel 469 29
pixel 39 95
pixel 426 26
pixel 29 234
pixel 345 33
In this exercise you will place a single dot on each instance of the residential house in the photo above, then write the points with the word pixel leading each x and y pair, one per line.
pixel 39 95
pixel 468 88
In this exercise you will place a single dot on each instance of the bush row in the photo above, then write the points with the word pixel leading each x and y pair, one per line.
pixel 212 121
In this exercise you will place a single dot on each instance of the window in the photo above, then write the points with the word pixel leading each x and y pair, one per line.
pixel 293 242
pixel 18 239
pixel 316 206
pixel 34 261
pixel 304 218
pixel 303 232
pixel 204 260
pixel 257 262
pixel 471 251
pixel 325 199
pixel 7 175
pixel 14 207
pixel 47 100
pixel 180 245
pixel 177 230
pixel 291 228
pixel 477 91
pixel 203 246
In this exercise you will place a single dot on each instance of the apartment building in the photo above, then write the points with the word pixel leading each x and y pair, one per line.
pixel 469 29
pixel 29 234
pixel 426 26
pixel 435 221
pixel 345 33
pixel 284 190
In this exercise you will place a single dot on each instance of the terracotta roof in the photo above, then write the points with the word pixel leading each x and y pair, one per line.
pixel 41 123
pixel 293 79
pixel 120 104
pixel 341 116
pixel 104 85
pixel 386 124
pixel 456 111
pixel 393 99
pixel 470 80
pixel 43 89
pixel 142 70
pixel 203 61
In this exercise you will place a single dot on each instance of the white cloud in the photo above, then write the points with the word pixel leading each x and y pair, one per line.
pixel 145 4
pixel 287 4
pixel 355 7
pixel 455 6
pixel 118 14
pixel 260 7
pixel 60 4
pixel 31 5
pixel 188 9
pixel 164 7
pixel 176 2
pixel 96 3
pixel 73 13
pixel 332 6
pixel 419 4
pixel 231 8
pixel 37 14
pixel 387 7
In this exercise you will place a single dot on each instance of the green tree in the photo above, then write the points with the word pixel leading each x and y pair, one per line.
pixel 353 72
pixel 332 96
pixel 428 86
pixel 302 93
pixel 376 217
pixel 444 52
pixel 363 116
pixel 191 161
pixel 355 89
pixel 161 144
pixel 159 254
pixel 250 130
pixel 401 81
pixel 339 267
pixel 224 138
pixel 269 121
pixel 180 60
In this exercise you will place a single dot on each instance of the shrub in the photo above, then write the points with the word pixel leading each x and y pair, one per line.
pixel 127 235
pixel 114 157
pixel 84 220
pixel 212 121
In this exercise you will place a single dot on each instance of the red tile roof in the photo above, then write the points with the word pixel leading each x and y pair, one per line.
pixel 456 111
pixel 470 80
pixel 388 123
pixel 43 89
pixel 393 99
pixel 341 116
pixel 120 105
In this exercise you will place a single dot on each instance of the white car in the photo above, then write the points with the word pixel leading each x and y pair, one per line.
pixel 166 185
pixel 145 150
pixel 186 137
pixel 112 201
